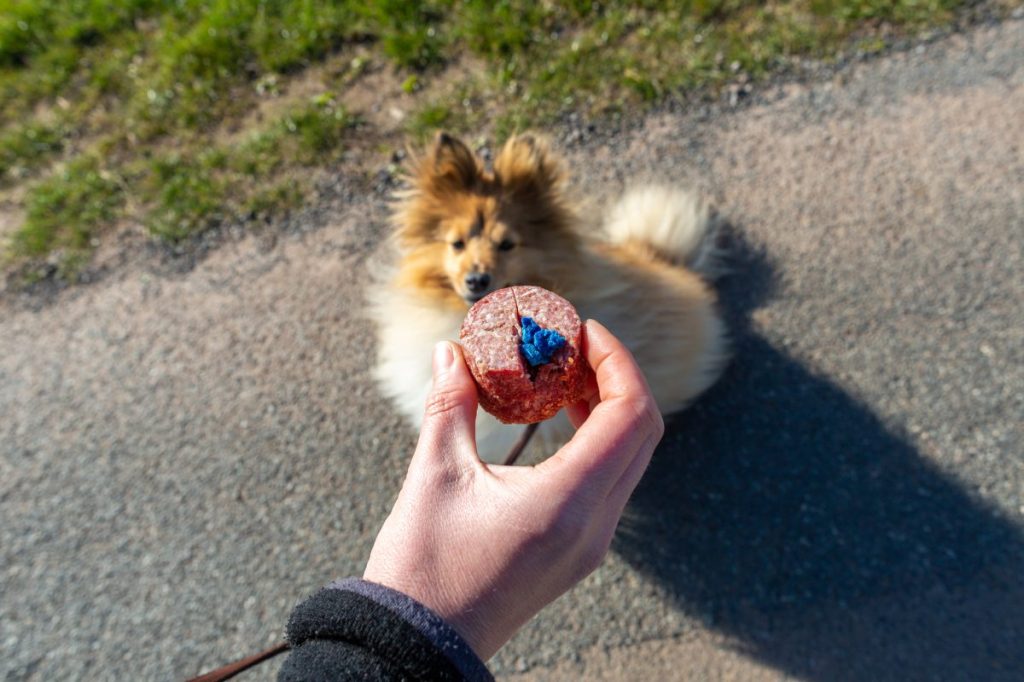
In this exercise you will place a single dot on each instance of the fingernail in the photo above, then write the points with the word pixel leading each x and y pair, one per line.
pixel 444 358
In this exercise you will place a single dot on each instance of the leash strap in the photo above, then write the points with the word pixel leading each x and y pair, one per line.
pixel 232 669
pixel 520 445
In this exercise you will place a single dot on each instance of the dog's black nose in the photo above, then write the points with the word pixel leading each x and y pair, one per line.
pixel 477 282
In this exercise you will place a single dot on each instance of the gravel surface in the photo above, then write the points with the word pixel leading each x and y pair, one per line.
pixel 184 456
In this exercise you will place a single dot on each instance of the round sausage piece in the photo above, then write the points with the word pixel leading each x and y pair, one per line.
pixel 528 377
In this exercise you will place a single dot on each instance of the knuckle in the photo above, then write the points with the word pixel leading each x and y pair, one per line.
pixel 592 557
pixel 441 401
pixel 659 422
pixel 648 416
pixel 572 517
pixel 567 533
pixel 568 528
pixel 555 530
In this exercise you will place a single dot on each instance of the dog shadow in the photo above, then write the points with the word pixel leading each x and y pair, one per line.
pixel 782 513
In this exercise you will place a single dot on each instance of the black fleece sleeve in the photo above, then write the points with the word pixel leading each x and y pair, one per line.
pixel 356 630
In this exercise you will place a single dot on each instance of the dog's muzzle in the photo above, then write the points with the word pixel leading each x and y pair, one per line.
pixel 477 283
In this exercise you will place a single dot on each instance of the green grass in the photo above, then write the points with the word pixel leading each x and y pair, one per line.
pixel 189 193
pixel 183 192
pixel 274 200
pixel 24 147
pixel 193 193
pixel 67 209
pixel 429 118
pixel 118 107
pixel 187 197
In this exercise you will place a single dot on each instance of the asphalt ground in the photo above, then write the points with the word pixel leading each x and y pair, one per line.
pixel 185 455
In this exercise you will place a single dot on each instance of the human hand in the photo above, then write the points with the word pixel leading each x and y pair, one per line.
pixel 488 546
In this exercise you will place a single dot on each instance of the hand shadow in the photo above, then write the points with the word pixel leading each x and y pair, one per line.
pixel 781 512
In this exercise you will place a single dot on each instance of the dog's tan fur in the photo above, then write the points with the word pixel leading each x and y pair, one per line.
pixel 639 273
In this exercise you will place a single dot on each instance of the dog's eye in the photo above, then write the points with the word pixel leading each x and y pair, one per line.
pixel 506 245
pixel 458 245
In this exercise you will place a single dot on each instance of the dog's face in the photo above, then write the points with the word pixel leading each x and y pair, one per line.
pixel 482 247
pixel 466 231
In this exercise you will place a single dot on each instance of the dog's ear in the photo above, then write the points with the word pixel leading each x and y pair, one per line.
pixel 449 165
pixel 526 165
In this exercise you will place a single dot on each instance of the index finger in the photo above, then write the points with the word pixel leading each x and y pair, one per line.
pixel 623 424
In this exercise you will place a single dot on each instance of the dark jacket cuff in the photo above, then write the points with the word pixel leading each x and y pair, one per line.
pixel 355 629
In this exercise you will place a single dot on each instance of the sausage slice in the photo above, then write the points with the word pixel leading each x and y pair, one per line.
pixel 517 384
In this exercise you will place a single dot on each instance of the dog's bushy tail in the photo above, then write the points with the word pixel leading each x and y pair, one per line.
pixel 673 224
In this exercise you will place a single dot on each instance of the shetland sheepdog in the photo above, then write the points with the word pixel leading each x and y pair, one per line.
pixel 642 268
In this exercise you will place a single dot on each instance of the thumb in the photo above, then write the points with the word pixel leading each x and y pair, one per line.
pixel 449 418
